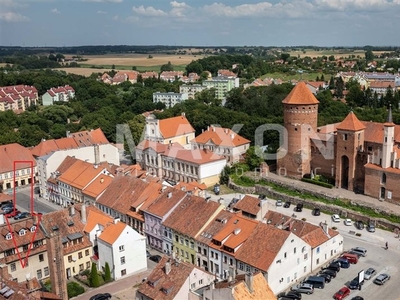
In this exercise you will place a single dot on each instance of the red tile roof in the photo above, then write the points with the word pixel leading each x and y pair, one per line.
pixel 215 226
pixel 175 126
pixel 112 232
pixel 221 137
pixel 197 157
pixel 248 204
pixel 94 217
pixel 300 95
pixel 351 123
pixel 166 200
pixel 14 152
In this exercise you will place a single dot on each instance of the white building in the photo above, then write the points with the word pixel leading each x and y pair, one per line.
pixel 169 99
pixel 122 248
pixel 59 94
pixel 192 89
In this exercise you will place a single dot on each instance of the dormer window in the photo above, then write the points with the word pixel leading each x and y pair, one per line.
pixel 33 228
pixel 22 232
pixel 8 236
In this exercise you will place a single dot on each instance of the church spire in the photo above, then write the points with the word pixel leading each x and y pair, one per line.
pixel 389 116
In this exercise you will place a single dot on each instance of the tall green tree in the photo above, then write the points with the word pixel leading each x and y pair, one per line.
pixel 167 67
pixel 107 273
pixel 94 276
pixel 254 157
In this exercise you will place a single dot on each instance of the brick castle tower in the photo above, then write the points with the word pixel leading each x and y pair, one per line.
pixel 300 116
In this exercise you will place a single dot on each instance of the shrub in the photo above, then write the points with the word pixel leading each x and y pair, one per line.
pixel 94 276
pixel 74 289
pixel 107 273
pixel 320 183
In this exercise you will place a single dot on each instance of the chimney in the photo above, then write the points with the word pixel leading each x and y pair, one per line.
pixel 249 281
pixel 96 154
pixel 208 128
pixel 83 214
pixel 1 219
pixel 101 180
pixel 169 195
pixel 213 128
pixel 167 267
pixel 183 115
pixel 232 273
pixel 116 220
pixel 232 135
pixel 72 210
pixel 68 133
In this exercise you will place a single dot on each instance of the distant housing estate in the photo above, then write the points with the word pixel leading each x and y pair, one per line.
pixel 59 94
pixel 17 97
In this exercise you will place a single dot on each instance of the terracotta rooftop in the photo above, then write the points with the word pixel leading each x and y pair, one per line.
pixel 221 137
pixel 14 152
pixel 158 280
pixel 260 242
pixel 197 157
pixel 215 226
pixel 175 126
pixel 166 200
pixel 351 123
pixel 248 204
pixel 5 198
pixel 30 289
pixel 300 95
pixel 112 232
pixel 148 196
pixel 157 147
pixel 191 215
pixel 97 186
pixel 94 217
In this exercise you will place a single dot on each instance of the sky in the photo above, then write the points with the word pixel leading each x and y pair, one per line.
pixel 200 22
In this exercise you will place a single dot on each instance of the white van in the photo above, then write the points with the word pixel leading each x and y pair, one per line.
pixel 362 251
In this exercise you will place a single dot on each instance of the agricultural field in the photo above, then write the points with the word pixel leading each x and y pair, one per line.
pixel 83 71
pixel 342 53
pixel 311 76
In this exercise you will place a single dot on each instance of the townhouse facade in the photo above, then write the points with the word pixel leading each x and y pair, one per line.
pixel 170 99
pixel 58 94
pixel 25 166
pixel 192 89
pixel 171 76
pixel 18 97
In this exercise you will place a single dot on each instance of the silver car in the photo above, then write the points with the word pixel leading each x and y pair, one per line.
pixel 369 273
pixel 381 279
pixel 304 288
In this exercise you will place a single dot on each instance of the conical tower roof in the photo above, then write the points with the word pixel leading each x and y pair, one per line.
pixel 389 120
pixel 351 123
pixel 300 95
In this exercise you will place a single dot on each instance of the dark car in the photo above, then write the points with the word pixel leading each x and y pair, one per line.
pixel 330 272
pixel 217 189
pixel 13 213
pixel 334 266
pixel 343 262
pixel 359 225
pixel 327 277
pixel 299 207
pixel 7 205
pixel 290 295
pixel 155 258
pixel 357 298
pixel 371 227
pixel 355 284
pixel 105 296
pixel 316 211
pixel 287 204
pixel 8 209
pixel 21 215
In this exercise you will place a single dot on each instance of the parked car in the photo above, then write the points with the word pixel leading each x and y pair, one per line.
pixel 290 295
pixel 361 250
pixel 327 277
pixel 6 205
pixel 343 262
pixel 371 227
pixel 381 279
pixel 155 258
pixel 352 258
pixel 334 266
pixel 359 225
pixel 357 298
pixel 105 296
pixel 21 215
pixel 330 272
pixel 12 213
pixel 299 207
pixel 358 254
pixel 216 189
pixel 8 209
pixel 287 204
pixel 278 203
pixel 348 222
pixel 304 288
pixel 316 212
pixel 355 284
pixel 369 273
pixel 335 218
pixel 342 293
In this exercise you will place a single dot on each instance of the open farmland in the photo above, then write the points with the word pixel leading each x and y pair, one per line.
pixel 336 53
pixel 82 71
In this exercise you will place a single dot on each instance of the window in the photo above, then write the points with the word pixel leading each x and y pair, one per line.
pixel 247 268
pixel 225 260
pixel 288 279
pixel 87 264
pixel 298 261
pixel 121 248
pixel 306 256
pixel 41 257
pixel 383 178
pixel 123 272
pixel 318 250
pixel 241 266
pixel 86 252
pixel 294 250
pixel 231 261
pixel 200 281
pixel 285 255
pixel 205 252
pixel 305 269
pixel 39 274
pixel 187 243
pixel 181 241
pixel 216 255
pixel 187 254
pixel 80 255
pixel 345 137
pixel 303 249
pixel 212 254
pixel 317 261
pixel 13 267
pixel 182 253
pixel 46 271
pixel 81 267
pixel 198 250
pixel 122 259
pixel 69 258
pixel 193 286
pixel 191 245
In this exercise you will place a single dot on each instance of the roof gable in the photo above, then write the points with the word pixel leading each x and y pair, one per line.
pixel 300 95
pixel 221 137
pixel 351 123
pixel 112 232
pixel 175 126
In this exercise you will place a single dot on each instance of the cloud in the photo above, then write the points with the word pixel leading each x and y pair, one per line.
pixel 149 11
pixel 55 11
pixel 104 1
pixel 13 17
pixel 101 12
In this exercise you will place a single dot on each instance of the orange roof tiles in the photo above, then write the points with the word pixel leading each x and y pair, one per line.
pixel 193 156
pixel 175 126
pixel 300 95
pixel 191 215
pixel 112 232
pixel 97 186
pixel 376 167
pixel 215 226
pixel 95 216
pixel 166 200
pixel 148 196
pixel 351 123
pixel 248 204
pixel 157 147
pixel 221 137
pixel 14 152
pixel 5 198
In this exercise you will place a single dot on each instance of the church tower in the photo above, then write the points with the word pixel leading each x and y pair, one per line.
pixel 349 140
pixel 388 140
pixel 300 117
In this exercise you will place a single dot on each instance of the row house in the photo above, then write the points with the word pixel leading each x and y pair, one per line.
pixel 25 166
pixel 171 75
pixel 169 99
pixel 382 87
pixel 23 249
pixel 18 97
pixel 149 74
pixel 222 85
pixel 168 131
pixel 122 76
pixel 76 248
pixel 316 86
pixel 90 145
pixel 173 279
pixel 58 94
pixel 156 214
pixel 191 77
pixel 192 89
pixel 251 207
pixel 226 73
pixel 185 224
pixel 222 141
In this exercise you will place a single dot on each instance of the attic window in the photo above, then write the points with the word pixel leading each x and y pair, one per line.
pixel 33 228
pixel 8 236
pixel 153 283
pixel 54 228
pixel 22 232
pixel 70 223
pixel 166 291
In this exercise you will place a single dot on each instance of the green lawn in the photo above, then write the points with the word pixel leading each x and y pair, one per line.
pixel 311 76
pixel 138 68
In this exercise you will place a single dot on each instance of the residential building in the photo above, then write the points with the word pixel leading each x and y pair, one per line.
pixel 170 99
pixel 169 131
pixel 169 198
pixel 25 166
pixel 58 94
pixel 18 97
pixel 173 279
pixel 122 248
pixel 171 76
pixel 76 247
pixel 122 76
pixel 91 146
pixel 149 74
pixel 191 77
pixel 251 207
pixel 245 286
pixel 316 86
pixel 381 87
pixel 23 249
pixel 226 73
pixel 191 89
pixel 192 188
pixel 186 223
pixel 222 85
pixel 222 141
